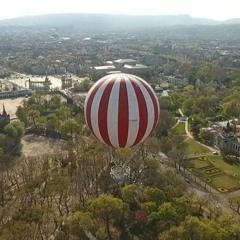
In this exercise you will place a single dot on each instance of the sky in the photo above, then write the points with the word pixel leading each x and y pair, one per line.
pixel 213 9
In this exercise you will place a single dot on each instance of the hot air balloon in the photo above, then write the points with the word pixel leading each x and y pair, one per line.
pixel 121 110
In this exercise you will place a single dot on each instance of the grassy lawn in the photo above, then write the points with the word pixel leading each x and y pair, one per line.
pixel 218 162
pixel 179 129
pixel 225 181
pixel 222 176
pixel 199 163
pixel 192 147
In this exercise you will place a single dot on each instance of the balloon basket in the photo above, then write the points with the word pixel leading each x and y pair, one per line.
pixel 120 173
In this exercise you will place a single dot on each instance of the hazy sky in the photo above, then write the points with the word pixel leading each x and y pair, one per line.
pixel 214 9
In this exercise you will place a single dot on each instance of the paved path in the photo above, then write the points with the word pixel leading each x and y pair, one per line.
pixel 180 112
pixel 190 136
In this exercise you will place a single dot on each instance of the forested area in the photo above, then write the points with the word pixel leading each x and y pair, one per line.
pixel 51 117
pixel 70 194
pixel 10 138
pixel 212 95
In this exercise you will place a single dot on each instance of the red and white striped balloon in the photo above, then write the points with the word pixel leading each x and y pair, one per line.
pixel 121 110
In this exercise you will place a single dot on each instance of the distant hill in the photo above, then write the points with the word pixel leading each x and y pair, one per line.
pixel 232 21
pixel 168 25
pixel 107 21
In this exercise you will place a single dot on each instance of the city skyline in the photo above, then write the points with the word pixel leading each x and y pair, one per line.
pixel 216 10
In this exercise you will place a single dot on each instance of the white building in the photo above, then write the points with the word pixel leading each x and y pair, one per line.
pixel 177 80
pixel 135 69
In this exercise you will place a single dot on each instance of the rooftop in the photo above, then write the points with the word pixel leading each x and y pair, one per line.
pixel 110 67
pixel 137 66
pixel 113 72
pixel 126 60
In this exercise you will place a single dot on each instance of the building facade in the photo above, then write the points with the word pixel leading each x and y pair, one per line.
pixel 227 141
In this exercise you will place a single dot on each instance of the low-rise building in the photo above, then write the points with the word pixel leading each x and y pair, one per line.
pixel 177 80
pixel 121 62
pixel 104 69
pixel 16 93
pixel 227 141
pixel 135 69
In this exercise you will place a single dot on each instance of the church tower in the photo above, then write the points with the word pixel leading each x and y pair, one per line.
pixel 4 118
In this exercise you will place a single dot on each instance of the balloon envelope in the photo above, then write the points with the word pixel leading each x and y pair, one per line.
pixel 121 110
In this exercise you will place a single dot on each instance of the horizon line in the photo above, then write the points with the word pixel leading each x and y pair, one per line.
pixel 117 14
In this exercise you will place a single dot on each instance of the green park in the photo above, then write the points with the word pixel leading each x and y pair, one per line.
pixel 217 173
pixel 212 170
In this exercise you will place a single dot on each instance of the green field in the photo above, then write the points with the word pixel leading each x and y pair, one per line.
pixel 225 181
pixel 179 129
pixel 214 170
pixel 219 174
pixel 218 161
pixel 199 163
pixel 192 147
